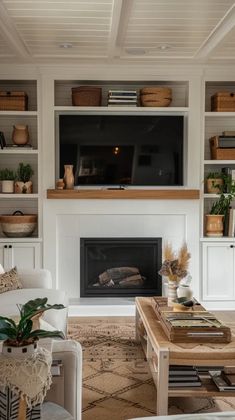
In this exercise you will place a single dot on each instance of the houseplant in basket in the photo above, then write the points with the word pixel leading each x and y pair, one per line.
pixel 20 337
pixel 7 177
pixel 214 182
pixel 23 183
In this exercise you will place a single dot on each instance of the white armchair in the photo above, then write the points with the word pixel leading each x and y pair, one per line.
pixel 37 284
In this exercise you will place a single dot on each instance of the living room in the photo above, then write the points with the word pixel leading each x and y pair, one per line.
pixel 54 53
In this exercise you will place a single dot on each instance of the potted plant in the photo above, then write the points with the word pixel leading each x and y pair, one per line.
pixel 21 337
pixel 23 183
pixel 218 216
pixel 7 177
pixel 214 182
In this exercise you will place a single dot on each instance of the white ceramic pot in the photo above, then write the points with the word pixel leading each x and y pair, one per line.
pixel 7 187
pixel 184 291
pixel 22 351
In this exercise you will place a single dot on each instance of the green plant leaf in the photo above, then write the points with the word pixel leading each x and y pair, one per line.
pixel 26 330
pixel 7 321
pixel 44 334
pixel 8 332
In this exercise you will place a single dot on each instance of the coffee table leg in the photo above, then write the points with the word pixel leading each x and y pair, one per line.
pixel 162 382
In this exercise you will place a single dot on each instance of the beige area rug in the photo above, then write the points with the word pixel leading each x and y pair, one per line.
pixel 117 384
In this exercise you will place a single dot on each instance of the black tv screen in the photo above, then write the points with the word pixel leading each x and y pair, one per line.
pixel 122 149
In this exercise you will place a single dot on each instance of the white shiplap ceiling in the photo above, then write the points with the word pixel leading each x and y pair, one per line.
pixel 33 31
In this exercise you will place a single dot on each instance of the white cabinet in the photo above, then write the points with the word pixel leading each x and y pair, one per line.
pixel 22 255
pixel 218 274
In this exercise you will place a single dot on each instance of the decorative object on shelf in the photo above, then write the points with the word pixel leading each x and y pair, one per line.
pixel 182 304
pixel 214 225
pixel 20 134
pixel 156 96
pixel 220 153
pixel 68 177
pixel 7 177
pixel 13 101
pixel 175 268
pixel 25 368
pixel 217 220
pixel 23 183
pixel 223 102
pixel 122 97
pixel 60 184
pixel 18 225
pixel 87 96
pixel 2 140
pixel 214 182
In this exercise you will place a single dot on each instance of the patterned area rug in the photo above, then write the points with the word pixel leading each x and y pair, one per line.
pixel 117 384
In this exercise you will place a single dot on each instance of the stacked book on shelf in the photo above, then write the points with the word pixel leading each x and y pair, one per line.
pixel 122 98
pixel 224 379
pixel 183 376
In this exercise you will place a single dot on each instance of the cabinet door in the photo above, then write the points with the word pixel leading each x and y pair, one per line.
pixel 21 255
pixel 218 271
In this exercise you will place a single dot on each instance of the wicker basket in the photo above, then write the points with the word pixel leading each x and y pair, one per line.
pixel 155 96
pixel 86 96
pixel 219 153
pixel 223 102
pixel 13 101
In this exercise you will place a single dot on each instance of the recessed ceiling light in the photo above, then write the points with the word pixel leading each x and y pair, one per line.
pixel 164 47
pixel 135 51
pixel 66 45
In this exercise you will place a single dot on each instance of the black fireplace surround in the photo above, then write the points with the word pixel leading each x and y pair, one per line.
pixel 114 267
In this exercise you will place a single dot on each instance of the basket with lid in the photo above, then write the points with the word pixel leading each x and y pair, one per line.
pixel 86 96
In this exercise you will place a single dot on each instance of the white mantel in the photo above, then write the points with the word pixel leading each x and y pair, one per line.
pixel 65 221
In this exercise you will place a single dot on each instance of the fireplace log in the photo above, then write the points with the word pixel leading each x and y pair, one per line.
pixel 132 281
pixel 117 274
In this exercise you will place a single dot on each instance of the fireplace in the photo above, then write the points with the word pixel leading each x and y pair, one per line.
pixel 120 267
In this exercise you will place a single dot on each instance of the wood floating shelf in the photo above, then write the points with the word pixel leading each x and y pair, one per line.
pixel 173 194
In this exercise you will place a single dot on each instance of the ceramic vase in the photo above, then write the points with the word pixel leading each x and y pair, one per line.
pixel 172 292
pixel 184 291
pixel 20 135
pixel 68 177
pixel 214 225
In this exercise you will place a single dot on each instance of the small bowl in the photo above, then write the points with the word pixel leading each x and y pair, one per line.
pixel 182 304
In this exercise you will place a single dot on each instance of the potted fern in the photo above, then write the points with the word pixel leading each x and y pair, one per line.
pixel 20 337
pixel 23 184
pixel 218 216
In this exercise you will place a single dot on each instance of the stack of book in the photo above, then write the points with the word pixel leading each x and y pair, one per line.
pixel 183 376
pixel 122 98
pixel 224 379
pixel 227 140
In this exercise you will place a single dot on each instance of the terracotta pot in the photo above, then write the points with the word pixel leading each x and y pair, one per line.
pixel 214 225
pixel 23 187
pixel 20 135
pixel 214 185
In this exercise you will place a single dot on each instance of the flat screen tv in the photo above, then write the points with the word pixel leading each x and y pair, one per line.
pixel 116 150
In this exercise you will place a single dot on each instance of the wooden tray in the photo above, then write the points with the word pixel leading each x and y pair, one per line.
pixel 218 153
pixel 189 334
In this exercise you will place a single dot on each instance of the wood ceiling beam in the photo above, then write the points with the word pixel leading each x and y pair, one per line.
pixel 120 17
pixel 11 35
pixel 225 25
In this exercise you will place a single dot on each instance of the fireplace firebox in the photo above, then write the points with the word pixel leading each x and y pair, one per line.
pixel 120 267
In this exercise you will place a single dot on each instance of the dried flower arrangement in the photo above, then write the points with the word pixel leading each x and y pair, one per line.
pixel 175 268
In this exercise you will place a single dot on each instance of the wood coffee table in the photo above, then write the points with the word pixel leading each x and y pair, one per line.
pixel 161 353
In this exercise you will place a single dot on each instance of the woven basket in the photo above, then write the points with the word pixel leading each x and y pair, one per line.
pixel 13 101
pixel 86 96
pixel 155 96
pixel 223 102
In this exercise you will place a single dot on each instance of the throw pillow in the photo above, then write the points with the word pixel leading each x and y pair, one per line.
pixel 10 281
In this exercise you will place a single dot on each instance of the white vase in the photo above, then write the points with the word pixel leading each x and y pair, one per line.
pixel 172 292
pixel 184 291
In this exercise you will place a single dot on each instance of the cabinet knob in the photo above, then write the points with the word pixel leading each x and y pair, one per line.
pixel 5 246
pixel 10 246
pixel 231 246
